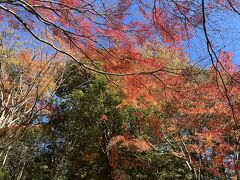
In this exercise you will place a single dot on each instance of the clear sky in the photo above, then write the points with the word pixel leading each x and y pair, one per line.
pixel 224 32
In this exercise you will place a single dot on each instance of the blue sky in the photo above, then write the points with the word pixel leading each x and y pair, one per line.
pixel 226 37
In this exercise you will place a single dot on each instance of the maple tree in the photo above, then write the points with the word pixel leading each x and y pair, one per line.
pixel 193 111
pixel 196 120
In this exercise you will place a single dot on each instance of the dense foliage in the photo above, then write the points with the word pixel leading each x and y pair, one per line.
pixel 79 139
pixel 123 89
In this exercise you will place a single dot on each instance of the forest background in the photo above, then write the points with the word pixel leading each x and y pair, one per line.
pixel 124 89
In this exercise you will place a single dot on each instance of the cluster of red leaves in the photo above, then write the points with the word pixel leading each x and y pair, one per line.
pixel 120 149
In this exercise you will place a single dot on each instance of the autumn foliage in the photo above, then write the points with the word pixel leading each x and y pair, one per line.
pixel 167 102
